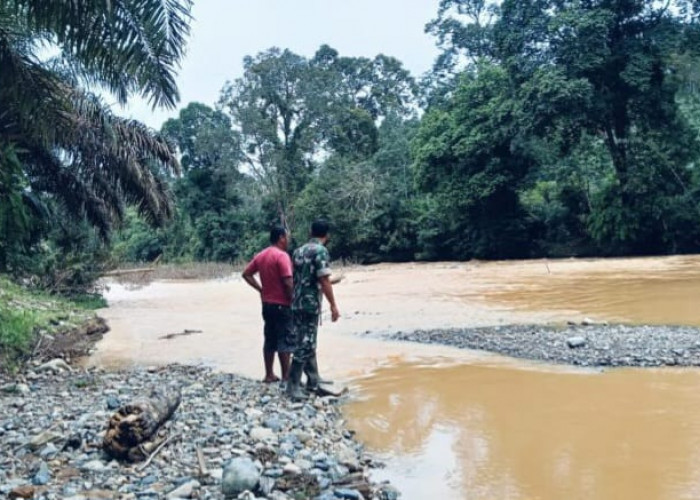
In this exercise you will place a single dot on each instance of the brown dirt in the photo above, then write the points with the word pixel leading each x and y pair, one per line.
pixel 72 343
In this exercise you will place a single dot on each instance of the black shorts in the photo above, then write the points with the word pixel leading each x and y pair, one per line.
pixel 279 330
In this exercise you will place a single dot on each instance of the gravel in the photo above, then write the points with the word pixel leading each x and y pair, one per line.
pixel 51 435
pixel 588 345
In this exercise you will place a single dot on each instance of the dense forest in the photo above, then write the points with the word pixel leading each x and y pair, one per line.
pixel 545 128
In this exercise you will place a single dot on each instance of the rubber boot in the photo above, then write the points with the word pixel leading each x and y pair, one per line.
pixel 312 376
pixel 294 383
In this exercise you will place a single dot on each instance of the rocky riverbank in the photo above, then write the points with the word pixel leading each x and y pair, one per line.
pixel 590 345
pixel 231 437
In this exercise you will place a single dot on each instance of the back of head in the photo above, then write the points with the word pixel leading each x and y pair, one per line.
pixel 319 228
pixel 276 233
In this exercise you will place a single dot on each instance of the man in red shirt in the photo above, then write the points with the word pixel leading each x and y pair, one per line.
pixel 276 289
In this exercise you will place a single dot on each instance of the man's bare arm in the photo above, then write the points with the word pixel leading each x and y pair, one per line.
pixel 289 287
pixel 327 289
pixel 250 279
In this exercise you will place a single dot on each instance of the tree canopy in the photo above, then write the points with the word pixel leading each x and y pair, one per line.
pixel 62 150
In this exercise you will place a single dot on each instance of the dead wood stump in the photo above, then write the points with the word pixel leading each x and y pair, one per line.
pixel 132 432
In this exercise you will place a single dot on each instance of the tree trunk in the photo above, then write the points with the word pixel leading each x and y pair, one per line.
pixel 131 432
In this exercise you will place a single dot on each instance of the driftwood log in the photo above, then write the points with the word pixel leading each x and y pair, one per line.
pixel 132 432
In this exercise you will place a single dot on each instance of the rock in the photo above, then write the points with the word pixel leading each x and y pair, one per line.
pixel 43 438
pixel 273 423
pixel 267 484
pixel 73 442
pixel 348 494
pixel 292 469
pixel 274 472
pixel 304 464
pixel 94 466
pixel 185 490
pixel 263 434
pixel 113 403
pixel 388 492
pixel 22 492
pixel 42 476
pixel 303 436
pixel 239 475
pixel 574 342
pixel 13 388
pixel 49 452
pixel 55 365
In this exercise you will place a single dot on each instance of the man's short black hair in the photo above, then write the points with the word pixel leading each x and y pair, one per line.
pixel 276 233
pixel 319 228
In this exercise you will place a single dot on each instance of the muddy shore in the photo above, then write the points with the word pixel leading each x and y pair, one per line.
pixel 601 345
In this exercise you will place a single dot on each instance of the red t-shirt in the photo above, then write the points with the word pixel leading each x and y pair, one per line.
pixel 273 265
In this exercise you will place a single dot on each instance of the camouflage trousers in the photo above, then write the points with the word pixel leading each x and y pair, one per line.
pixel 306 333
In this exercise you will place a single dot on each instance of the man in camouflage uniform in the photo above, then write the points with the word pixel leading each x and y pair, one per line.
pixel 311 278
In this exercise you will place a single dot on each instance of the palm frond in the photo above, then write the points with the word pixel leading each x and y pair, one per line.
pixel 126 46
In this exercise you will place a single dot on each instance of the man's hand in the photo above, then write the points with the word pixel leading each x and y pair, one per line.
pixel 335 314
pixel 250 279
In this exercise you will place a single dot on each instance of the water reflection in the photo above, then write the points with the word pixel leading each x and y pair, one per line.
pixel 480 432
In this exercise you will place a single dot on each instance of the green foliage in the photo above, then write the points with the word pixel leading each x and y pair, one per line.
pixel 469 158
pixel 24 312
pixel 291 111
pixel 572 127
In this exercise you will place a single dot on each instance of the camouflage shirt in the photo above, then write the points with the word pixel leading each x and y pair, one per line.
pixel 311 262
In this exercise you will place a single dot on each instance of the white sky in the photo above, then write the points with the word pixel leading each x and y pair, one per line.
pixel 225 31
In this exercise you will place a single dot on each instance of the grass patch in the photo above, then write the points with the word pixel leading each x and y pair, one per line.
pixel 25 314
pixel 89 301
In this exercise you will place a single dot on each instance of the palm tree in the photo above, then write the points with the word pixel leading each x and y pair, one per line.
pixel 70 145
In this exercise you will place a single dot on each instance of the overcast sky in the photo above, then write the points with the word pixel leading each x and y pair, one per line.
pixel 224 31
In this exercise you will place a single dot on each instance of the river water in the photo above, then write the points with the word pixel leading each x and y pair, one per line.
pixel 458 424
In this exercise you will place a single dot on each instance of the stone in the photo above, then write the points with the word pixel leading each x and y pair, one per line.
pixel 185 490
pixel 43 438
pixel 49 452
pixel 113 403
pixel 73 442
pixel 22 389
pixel 292 469
pixel 303 436
pixel 348 494
pixel 388 492
pixel 42 476
pixel 239 475
pixel 304 464
pixel 273 423
pixel 22 492
pixel 274 472
pixel 263 434
pixel 574 342
pixel 55 365
pixel 94 466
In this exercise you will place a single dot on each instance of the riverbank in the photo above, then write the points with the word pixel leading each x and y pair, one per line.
pixel 52 424
pixel 587 345
pixel 36 325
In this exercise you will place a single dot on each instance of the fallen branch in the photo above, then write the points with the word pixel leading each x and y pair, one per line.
pixel 157 450
pixel 200 461
pixel 121 272
pixel 183 333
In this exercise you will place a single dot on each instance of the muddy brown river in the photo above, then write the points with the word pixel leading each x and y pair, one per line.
pixel 459 424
